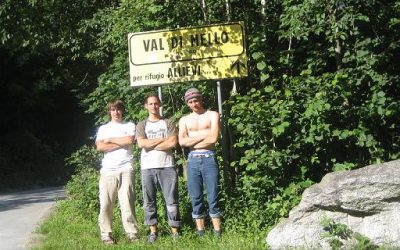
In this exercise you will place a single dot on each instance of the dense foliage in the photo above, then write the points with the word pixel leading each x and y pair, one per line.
pixel 328 101
pixel 41 120
pixel 322 94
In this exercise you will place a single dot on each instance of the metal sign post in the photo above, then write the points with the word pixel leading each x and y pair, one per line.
pixel 219 98
pixel 160 97
pixel 222 128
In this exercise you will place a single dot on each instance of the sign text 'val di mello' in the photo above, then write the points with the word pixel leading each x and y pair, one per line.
pixel 187 54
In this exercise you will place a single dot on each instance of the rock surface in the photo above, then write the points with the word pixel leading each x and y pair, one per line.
pixel 367 200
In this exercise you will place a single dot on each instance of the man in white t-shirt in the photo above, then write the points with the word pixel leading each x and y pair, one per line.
pixel 115 139
pixel 157 137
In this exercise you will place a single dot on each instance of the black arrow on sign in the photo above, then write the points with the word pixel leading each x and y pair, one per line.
pixel 238 64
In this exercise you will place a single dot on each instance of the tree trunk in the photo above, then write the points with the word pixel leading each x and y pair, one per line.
pixel 228 10
pixel 263 7
pixel 338 52
pixel 203 6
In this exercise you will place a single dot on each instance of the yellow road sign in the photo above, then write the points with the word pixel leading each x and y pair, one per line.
pixel 187 54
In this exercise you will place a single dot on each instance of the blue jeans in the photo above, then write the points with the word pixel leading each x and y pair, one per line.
pixel 202 172
pixel 168 180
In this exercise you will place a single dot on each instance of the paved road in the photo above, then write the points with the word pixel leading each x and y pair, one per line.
pixel 21 212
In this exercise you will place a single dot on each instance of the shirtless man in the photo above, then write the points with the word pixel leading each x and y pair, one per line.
pixel 198 131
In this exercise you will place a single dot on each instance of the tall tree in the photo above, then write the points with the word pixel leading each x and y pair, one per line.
pixel 41 63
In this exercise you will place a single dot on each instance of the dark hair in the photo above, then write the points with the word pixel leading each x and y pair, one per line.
pixel 152 95
pixel 117 104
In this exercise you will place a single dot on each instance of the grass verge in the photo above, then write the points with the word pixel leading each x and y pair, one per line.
pixel 64 229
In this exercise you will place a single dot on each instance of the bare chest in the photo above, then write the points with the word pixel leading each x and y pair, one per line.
pixel 198 122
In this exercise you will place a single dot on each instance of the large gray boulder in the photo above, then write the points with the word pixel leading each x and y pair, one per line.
pixel 367 200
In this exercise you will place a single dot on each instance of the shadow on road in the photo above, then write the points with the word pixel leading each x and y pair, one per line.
pixel 16 200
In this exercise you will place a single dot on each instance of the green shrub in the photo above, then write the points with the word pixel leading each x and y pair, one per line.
pixel 82 189
pixel 338 233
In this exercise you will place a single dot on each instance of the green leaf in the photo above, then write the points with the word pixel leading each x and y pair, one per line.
pixel 264 77
pixel 268 89
pixel 261 65
pixel 257 55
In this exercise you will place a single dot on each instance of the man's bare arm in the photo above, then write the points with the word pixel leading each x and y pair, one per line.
pixel 168 143
pixel 149 144
pixel 111 144
pixel 184 139
pixel 212 137
pixel 123 141
pixel 106 146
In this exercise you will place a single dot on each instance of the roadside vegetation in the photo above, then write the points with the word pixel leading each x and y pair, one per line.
pixel 66 230
pixel 73 225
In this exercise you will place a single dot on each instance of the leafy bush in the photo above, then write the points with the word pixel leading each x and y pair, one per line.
pixel 320 101
pixel 28 160
pixel 82 190
pixel 338 233
pixel 87 157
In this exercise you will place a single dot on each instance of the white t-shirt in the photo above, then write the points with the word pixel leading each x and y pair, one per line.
pixel 120 159
pixel 152 130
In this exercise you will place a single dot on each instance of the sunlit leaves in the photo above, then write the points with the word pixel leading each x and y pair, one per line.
pixel 326 100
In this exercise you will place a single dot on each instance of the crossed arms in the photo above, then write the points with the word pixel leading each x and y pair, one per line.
pixel 113 143
pixel 201 138
pixel 161 144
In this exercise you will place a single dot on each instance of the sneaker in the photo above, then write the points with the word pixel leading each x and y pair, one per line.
pixel 132 237
pixel 217 233
pixel 200 233
pixel 152 238
pixel 175 236
pixel 107 240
